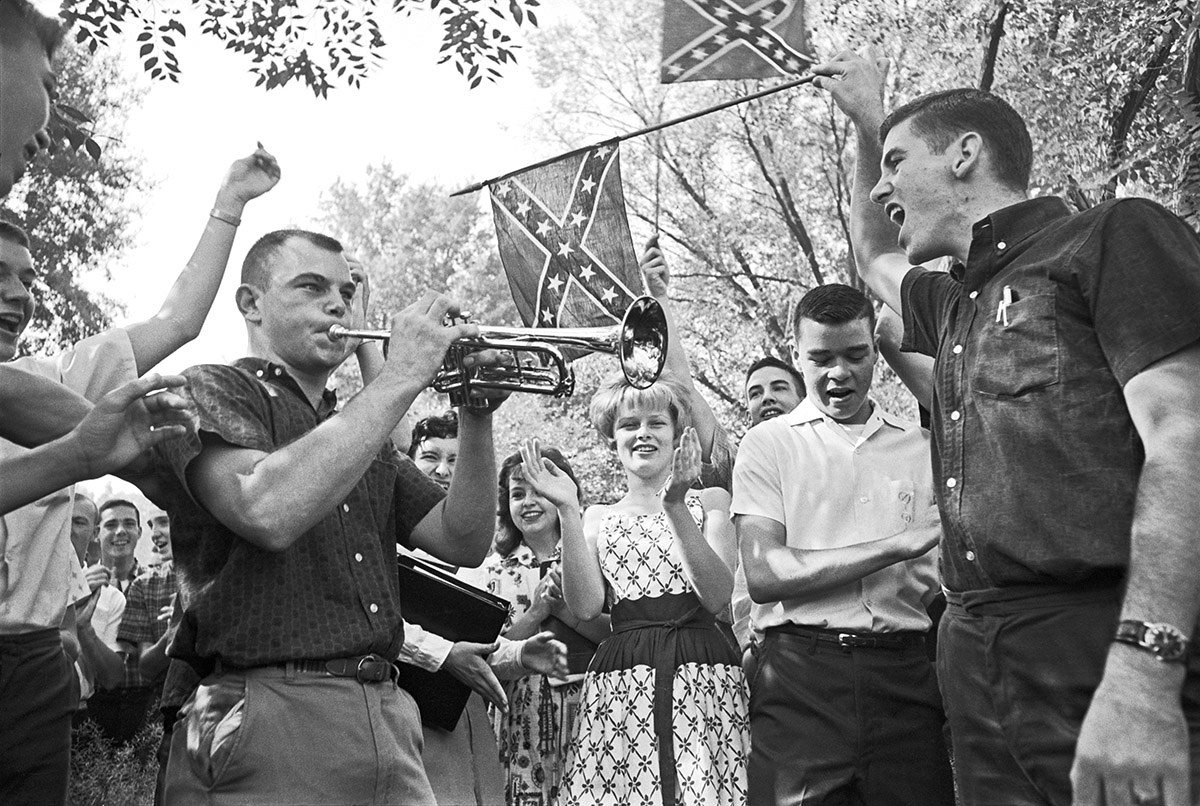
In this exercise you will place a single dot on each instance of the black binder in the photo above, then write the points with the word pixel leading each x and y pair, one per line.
pixel 449 607
pixel 580 648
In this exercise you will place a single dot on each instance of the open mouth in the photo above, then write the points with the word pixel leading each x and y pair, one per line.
pixel 645 450
pixel 11 323
pixel 532 515
pixel 895 212
pixel 839 394
pixel 770 411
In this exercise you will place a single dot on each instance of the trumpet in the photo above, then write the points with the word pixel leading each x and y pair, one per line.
pixel 639 343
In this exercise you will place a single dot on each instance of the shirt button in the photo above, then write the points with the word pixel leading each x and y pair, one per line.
pixel 952 482
pixel 973 294
pixel 374 608
pixel 957 349
pixel 954 415
pixel 970 556
pixel 863 499
pixel 358 556
pixel 259 373
pixel 1002 246
pixel 345 507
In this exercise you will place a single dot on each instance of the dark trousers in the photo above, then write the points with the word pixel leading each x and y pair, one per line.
pixel 121 712
pixel 169 715
pixel 35 718
pixel 832 725
pixel 1018 675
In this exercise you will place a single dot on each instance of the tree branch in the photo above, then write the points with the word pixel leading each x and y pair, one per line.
pixel 995 34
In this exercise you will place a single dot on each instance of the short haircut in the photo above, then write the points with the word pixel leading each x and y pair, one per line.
pixel 11 232
pixel 508 536
pixel 833 304
pixel 256 268
pixel 85 497
pixel 120 502
pixel 48 30
pixel 440 426
pixel 777 363
pixel 615 390
pixel 939 117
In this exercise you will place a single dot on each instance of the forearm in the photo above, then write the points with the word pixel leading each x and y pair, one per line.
pixel 275 498
pixel 709 574
pixel 107 666
pixel 527 624
pixel 583 582
pixel 186 306
pixel 914 370
pixel 872 234
pixel 424 649
pixel 153 660
pixel 781 573
pixel 469 518
pixel 31 474
pixel 678 367
pixel 36 410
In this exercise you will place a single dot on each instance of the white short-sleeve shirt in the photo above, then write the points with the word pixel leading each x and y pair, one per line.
pixel 831 488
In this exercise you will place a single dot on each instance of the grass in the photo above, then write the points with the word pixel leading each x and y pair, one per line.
pixel 102 775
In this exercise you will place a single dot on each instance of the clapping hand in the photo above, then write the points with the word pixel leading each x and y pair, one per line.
pixel 544 654
pixel 547 479
pixel 685 466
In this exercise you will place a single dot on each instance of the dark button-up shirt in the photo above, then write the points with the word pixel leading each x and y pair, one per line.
pixel 1036 459
pixel 332 593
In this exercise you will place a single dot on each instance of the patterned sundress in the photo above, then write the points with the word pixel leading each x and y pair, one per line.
pixel 534 734
pixel 663 719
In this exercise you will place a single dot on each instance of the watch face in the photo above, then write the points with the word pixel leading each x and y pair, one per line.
pixel 1165 641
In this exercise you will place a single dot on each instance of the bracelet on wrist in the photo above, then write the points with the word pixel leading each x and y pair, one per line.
pixel 224 215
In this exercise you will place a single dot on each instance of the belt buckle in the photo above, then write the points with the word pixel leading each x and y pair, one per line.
pixel 850 640
pixel 363 675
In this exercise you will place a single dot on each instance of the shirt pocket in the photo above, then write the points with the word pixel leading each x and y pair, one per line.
pixel 1021 356
pixel 896 507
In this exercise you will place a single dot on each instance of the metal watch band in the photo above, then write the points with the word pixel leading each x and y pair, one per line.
pixel 1166 642
pixel 221 215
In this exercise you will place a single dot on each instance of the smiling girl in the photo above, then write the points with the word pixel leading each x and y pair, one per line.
pixel 663 715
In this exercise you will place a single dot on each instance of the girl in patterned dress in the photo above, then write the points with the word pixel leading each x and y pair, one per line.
pixel 663 718
pixel 534 732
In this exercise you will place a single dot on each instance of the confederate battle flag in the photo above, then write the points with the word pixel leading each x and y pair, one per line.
pixel 733 39
pixel 565 242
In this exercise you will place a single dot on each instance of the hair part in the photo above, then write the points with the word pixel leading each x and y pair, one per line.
pixel 256 268
pixel 439 426
pixel 49 30
pixel 508 536
pixel 939 117
pixel 777 363
pixel 13 233
pixel 833 304
pixel 119 502
pixel 615 391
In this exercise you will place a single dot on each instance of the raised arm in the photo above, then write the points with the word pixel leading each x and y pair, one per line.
pixel 856 85
pixel 658 280
pixel 915 370
pixel 184 310
pixel 271 499
pixel 1134 735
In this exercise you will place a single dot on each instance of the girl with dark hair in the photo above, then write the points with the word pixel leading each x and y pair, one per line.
pixel 535 731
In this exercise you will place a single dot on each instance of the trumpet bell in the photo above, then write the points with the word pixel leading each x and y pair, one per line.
pixel 642 342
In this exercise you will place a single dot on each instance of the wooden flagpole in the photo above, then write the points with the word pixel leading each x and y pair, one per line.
pixel 647 130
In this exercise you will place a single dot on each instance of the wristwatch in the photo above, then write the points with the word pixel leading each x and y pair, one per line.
pixel 1163 641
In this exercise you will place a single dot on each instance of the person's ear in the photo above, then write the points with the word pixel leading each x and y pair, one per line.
pixel 967 152
pixel 249 299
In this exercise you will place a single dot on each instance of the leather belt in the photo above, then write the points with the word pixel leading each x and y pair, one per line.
pixel 363 668
pixel 853 640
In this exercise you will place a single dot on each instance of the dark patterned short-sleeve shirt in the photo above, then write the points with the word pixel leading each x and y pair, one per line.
pixel 144 600
pixel 334 592
pixel 1036 459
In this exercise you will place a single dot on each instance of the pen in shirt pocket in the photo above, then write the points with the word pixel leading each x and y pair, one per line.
pixel 1002 308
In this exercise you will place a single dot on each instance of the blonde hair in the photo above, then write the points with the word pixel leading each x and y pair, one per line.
pixel 615 391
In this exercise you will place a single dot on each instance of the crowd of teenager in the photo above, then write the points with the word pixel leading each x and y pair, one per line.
pixel 742 624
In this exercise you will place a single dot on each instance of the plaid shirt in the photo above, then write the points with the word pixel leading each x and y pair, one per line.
pixel 335 591
pixel 144 600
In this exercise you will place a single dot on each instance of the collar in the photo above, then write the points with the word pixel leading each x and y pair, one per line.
pixel 523 555
pixel 277 375
pixel 993 236
pixel 807 412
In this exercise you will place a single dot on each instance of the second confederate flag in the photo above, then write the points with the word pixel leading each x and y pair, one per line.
pixel 733 39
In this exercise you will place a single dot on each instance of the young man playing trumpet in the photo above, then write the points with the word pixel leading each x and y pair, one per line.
pixel 286 521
